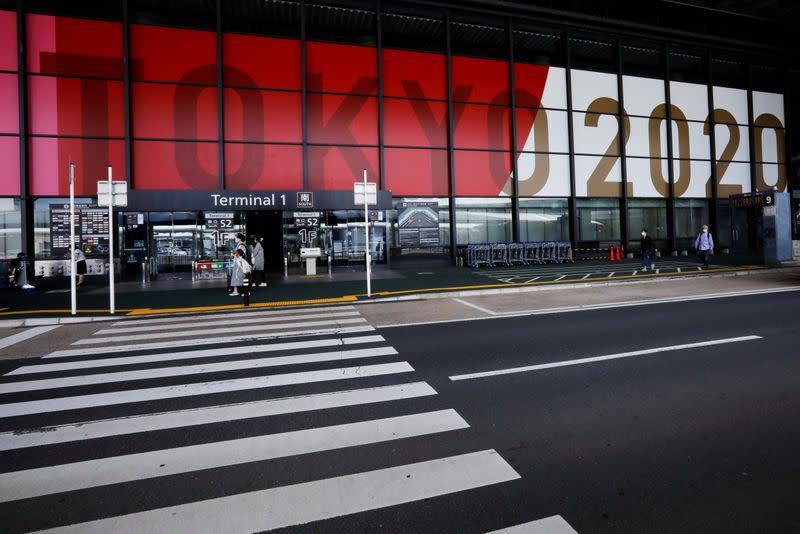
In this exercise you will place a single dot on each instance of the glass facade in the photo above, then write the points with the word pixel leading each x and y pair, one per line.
pixel 10 228
pixel 518 130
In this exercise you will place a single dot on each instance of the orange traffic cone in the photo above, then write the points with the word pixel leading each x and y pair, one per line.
pixel 611 255
pixel 621 253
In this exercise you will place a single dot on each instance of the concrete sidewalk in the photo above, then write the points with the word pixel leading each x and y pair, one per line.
pixel 178 293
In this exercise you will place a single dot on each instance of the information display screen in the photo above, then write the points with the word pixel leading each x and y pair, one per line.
pixel 419 224
pixel 91 228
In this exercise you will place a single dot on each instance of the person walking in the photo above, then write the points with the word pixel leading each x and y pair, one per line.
pixel 258 278
pixel 238 271
pixel 80 264
pixel 704 244
pixel 648 250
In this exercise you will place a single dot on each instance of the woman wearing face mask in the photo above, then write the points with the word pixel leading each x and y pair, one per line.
pixel 704 244
pixel 647 250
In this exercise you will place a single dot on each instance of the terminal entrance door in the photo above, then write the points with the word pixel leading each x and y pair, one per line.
pixel 746 230
pixel 268 225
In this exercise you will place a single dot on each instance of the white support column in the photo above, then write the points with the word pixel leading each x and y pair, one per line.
pixel 110 241
pixel 73 288
pixel 366 236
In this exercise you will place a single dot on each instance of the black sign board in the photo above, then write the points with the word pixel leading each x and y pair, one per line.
pixel 419 224
pixel 236 200
pixel 307 219
pixel 91 228
pixel 752 199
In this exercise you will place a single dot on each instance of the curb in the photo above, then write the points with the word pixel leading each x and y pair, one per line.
pixel 412 296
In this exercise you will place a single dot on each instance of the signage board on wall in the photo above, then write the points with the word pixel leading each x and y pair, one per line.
pixel 91 228
pixel 219 220
pixel 419 224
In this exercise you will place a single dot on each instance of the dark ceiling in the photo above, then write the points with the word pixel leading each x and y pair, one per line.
pixel 778 10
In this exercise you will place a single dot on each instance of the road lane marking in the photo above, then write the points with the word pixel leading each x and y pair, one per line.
pixel 188 370
pixel 85 351
pixel 25 335
pixel 199 323
pixel 225 330
pixel 475 306
pixel 313 501
pixel 60 404
pixel 75 476
pixel 604 306
pixel 215 414
pixel 192 354
pixel 587 275
pixel 611 274
pixel 549 525
pixel 560 277
pixel 229 315
pixel 593 359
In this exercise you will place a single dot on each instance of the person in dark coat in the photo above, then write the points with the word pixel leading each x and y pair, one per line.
pixel 648 250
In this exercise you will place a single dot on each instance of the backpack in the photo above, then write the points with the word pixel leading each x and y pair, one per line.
pixel 246 267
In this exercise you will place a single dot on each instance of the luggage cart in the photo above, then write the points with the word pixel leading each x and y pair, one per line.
pixel 516 254
pixel 478 255
pixel 533 252
pixel 499 254
pixel 564 248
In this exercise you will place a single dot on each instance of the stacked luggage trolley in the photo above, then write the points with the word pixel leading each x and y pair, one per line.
pixel 510 254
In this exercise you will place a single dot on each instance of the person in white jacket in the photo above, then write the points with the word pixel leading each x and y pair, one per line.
pixel 258 278
pixel 238 271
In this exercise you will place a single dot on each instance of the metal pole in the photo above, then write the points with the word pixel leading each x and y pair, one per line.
pixel 366 235
pixel 110 241
pixel 73 288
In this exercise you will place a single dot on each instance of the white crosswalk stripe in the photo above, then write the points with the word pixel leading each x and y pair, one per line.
pixel 225 330
pixel 118 383
pixel 238 338
pixel 217 322
pixel 289 505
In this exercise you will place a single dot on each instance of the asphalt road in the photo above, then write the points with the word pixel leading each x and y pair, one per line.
pixel 694 439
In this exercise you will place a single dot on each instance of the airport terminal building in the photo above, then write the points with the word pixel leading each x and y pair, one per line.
pixel 479 121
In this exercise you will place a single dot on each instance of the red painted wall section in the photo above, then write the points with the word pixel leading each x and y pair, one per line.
pixel 166 111
pixel 338 167
pixel 263 116
pixel 173 55
pixel 481 173
pixel 75 106
pixel 480 80
pixel 9 110
pixel 261 62
pixel 175 165
pixel 8 40
pixel 74 47
pixel 251 166
pixel 338 68
pixel 50 158
pixel 416 123
pixel 414 74
pixel 345 119
pixel 411 171
pixel 9 170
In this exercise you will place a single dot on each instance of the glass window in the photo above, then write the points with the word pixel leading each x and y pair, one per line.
pixel 649 214
pixel 416 33
pixel 594 55
pixel 641 61
pixel 483 220
pixel 10 228
pixel 689 66
pixel 538 48
pixel 343 24
pixel 690 215
pixel 543 219
pixel 280 18
pixel 598 220
pixel 472 39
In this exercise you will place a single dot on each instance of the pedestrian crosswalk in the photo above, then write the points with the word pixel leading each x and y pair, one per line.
pixel 152 406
